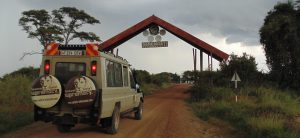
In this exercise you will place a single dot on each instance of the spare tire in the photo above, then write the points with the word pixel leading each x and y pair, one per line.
pixel 80 92
pixel 46 91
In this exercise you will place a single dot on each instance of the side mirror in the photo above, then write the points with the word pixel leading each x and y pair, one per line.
pixel 137 87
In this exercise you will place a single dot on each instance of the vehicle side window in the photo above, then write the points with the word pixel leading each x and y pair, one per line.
pixel 125 76
pixel 109 73
pixel 113 74
pixel 132 83
pixel 118 75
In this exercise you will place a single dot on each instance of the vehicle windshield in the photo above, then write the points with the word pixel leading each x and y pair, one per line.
pixel 64 71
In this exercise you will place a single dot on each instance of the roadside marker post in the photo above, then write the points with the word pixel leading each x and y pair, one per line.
pixel 235 78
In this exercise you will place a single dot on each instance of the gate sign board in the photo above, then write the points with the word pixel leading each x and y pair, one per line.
pixel 154 44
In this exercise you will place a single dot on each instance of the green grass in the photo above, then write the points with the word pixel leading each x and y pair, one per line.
pixel 259 112
pixel 15 103
pixel 10 122
pixel 149 88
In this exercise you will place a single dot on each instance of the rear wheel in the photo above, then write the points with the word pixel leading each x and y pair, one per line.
pixel 63 128
pixel 114 123
pixel 139 112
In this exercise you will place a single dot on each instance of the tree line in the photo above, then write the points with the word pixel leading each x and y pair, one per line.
pixel 244 65
pixel 144 77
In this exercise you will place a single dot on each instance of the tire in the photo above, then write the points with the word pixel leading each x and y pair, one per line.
pixel 114 123
pixel 63 128
pixel 80 84
pixel 139 112
pixel 46 83
pixel 105 122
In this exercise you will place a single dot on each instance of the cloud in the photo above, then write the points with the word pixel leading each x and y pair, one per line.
pixel 230 25
pixel 238 21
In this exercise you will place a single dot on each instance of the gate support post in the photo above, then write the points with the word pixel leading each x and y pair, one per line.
pixel 208 64
pixel 195 68
pixel 211 62
pixel 194 59
pixel 201 60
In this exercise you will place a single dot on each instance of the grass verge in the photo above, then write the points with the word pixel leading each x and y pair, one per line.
pixel 149 88
pixel 259 112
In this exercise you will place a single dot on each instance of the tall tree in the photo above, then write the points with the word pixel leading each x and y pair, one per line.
pixel 187 76
pixel 244 65
pixel 279 36
pixel 69 20
pixel 142 76
pixel 62 26
pixel 37 23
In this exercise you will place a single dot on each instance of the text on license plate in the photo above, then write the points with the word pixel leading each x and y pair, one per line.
pixel 71 52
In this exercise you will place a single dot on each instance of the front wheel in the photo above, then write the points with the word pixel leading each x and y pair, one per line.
pixel 115 120
pixel 63 128
pixel 139 112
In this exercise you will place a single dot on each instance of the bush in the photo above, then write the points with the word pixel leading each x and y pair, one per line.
pixel 205 92
pixel 16 109
pixel 150 83
pixel 200 92
pixel 29 72
pixel 149 88
pixel 142 76
pixel 15 90
pixel 244 65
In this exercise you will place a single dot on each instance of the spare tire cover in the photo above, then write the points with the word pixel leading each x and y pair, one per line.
pixel 46 91
pixel 80 92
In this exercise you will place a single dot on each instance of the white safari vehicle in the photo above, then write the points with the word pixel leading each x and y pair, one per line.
pixel 81 84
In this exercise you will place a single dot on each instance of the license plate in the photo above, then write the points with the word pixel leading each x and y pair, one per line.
pixel 71 52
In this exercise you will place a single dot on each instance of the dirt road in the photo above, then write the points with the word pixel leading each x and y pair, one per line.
pixel 165 115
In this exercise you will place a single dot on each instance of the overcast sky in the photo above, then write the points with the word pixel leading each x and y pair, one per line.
pixel 230 25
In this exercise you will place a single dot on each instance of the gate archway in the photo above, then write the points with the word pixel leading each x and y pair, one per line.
pixel 154 20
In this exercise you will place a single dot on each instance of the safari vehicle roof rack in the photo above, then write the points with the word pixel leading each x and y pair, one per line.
pixel 90 50
pixel 71 47
pixel 116 56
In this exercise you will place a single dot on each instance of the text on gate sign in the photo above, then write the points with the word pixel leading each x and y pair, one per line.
pixel 154 44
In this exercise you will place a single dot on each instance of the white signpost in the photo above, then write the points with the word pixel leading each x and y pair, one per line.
pixel 235 78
